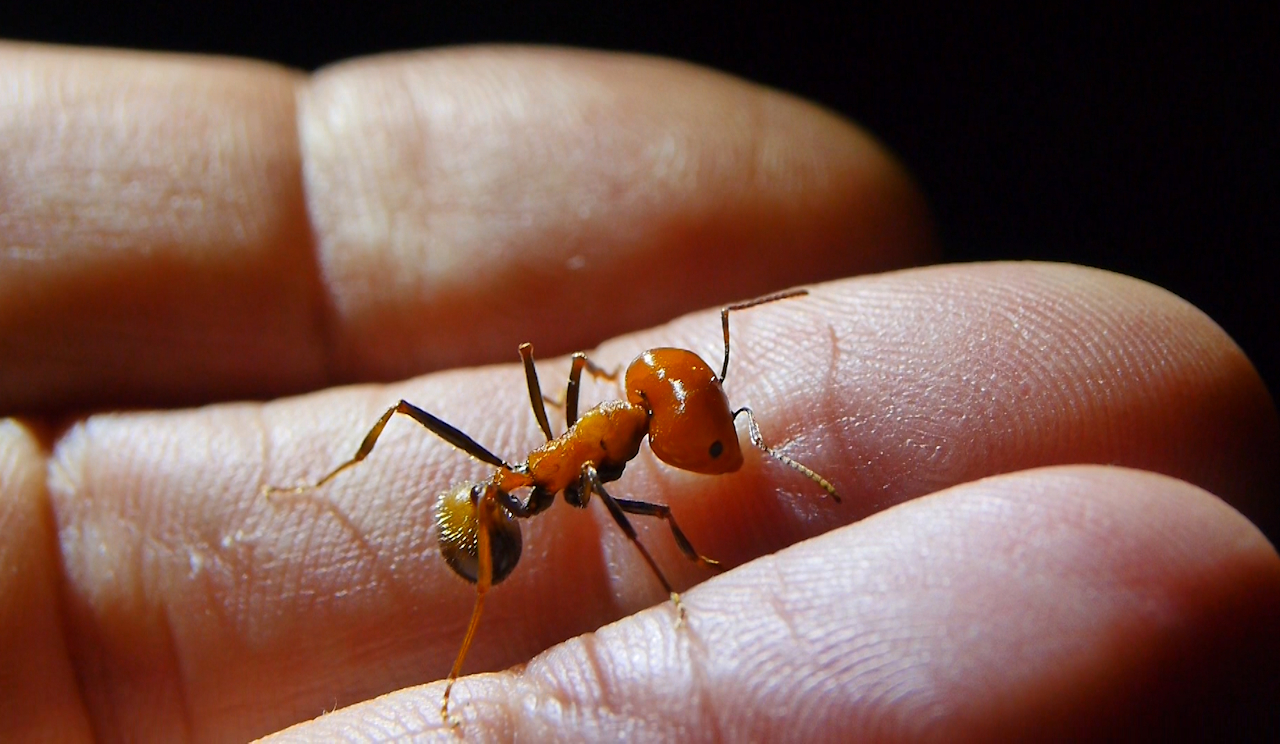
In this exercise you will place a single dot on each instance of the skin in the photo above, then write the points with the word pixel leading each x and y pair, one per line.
pixel 1053 477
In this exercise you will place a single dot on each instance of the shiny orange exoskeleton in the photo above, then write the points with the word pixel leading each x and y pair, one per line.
pixel 673 397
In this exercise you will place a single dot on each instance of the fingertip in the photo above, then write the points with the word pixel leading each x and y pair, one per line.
pixel 1058 602
pixel 1062 603
pixel 917 380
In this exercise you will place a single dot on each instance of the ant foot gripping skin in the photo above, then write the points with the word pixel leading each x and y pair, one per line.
pixel 673 398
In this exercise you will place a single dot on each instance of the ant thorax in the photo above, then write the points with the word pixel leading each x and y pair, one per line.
pixel 608 436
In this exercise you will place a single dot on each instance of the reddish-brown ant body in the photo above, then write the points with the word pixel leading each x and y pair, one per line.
pixel 673 397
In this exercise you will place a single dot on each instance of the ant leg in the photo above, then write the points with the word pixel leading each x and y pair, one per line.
pixel 535 390
pixel 539 500
pixel 573 388
pixel 570 402
pixel 600 373
pixel 484 580
pixel 754 430
pixel 441 429
pixel 580 362
pixel 591 484
pixel 724 318
pixel 662 511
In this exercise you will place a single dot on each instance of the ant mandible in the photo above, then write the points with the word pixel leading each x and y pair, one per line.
pixel 673 397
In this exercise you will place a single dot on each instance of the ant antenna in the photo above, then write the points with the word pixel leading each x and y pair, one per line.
pixel 754 430
pixel 724 320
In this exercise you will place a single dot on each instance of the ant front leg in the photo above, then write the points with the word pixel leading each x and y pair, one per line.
pixel 663 511
pixel 570 401
pixel 590 484
pixel 436 426
pixel 536 397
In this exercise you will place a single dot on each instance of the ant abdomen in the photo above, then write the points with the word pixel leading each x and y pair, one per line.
pixel 458 525
pixel 690 424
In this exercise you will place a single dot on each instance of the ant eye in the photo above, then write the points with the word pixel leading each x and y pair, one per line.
pixel 717 448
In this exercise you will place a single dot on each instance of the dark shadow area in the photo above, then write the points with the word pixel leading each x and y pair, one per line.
pixel 1140 142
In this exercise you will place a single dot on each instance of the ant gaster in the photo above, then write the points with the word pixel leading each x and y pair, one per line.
pixel 673 397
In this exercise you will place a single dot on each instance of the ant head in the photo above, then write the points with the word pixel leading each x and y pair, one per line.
pixel 690 424
pixel 460 538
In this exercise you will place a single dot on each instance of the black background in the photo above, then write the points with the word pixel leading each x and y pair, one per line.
pixel 1139 140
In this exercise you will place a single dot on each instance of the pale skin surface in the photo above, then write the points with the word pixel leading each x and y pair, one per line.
pixel 193 230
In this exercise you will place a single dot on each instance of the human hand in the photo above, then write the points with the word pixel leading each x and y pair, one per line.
pixel 177 231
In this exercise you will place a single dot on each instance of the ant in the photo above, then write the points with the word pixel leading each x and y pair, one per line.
pixel 673 397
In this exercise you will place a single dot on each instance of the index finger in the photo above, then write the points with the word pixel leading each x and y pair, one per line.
pixel 185 229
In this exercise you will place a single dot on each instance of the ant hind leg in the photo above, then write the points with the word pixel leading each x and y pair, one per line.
pixel 484 581
pixel 436 426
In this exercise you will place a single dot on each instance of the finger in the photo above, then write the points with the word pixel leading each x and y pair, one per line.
pixel 617 190
pixel 191 229
pixel 155 234
pixel 891 386
pixel 1064 603
pixel 39 698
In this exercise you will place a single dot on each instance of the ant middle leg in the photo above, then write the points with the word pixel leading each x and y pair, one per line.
pixel 440 428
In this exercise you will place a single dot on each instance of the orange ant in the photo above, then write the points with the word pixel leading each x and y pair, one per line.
pixel 673 398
